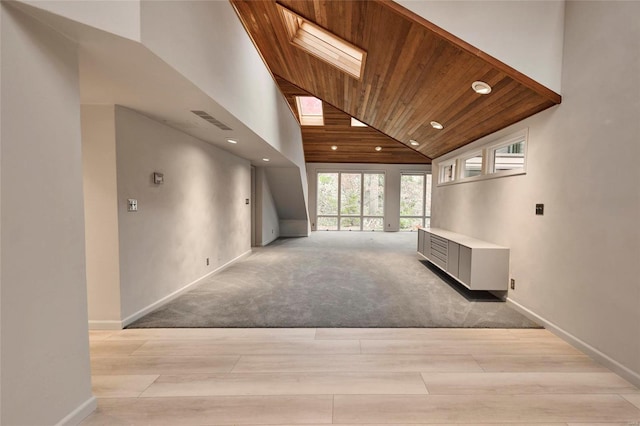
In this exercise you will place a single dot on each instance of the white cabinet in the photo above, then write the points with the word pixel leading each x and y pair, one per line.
pixel 477 264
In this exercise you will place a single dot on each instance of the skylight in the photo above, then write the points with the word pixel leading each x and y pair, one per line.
pixel 356 123
pixel 322 44
pixel 310 111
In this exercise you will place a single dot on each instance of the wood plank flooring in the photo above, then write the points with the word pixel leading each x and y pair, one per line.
pixel 351 376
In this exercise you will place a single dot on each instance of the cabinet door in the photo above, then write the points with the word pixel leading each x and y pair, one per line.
pixel 464 265
pixel 421 241
pixel 426 244
pixel 452 258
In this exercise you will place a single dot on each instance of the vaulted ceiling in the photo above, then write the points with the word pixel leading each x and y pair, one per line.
pixel 353 144
pixel 414 73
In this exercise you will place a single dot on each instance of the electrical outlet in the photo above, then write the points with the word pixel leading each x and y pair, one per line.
pixel 207 261
pixel 513 284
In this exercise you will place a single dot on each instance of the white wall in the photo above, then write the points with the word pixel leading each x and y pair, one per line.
pixel 576 266
pixel 205 41
pixel 198 212
pixel 45 348
pixel 101 215
pixel 120 17
pixel 526 35
pixel 267 224
pixel 391 186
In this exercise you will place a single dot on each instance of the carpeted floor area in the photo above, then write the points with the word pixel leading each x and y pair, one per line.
pixel 334 279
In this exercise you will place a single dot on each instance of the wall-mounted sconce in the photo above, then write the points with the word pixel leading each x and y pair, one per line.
pixel 158 178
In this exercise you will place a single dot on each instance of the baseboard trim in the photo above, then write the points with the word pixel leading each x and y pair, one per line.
pixel 266 243
pixel 155 305
pixel 628 374
pixel 294 235
pixel 105 325
pixel 79 414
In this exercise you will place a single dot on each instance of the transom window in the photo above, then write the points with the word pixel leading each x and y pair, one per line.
pixel 504 157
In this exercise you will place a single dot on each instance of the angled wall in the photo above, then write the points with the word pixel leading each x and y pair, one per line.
pixel 120 17
pixel 45 347
pixel 576 266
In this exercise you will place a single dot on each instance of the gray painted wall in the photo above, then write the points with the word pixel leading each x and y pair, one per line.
pixel 576 266
pixel 391 186
pixel 267 225
pixel 45 347
pixel 198 212
pixel 101 215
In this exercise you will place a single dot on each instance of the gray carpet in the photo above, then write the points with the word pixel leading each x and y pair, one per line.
pixel 334 279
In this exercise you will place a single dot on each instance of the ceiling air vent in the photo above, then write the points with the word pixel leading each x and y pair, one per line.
pixel 210 119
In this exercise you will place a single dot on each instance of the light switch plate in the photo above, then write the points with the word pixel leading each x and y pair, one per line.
pixel 540 209
pixel 132 205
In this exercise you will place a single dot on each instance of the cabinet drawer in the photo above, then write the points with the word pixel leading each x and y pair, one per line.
pixel 441 263
pixel 439 242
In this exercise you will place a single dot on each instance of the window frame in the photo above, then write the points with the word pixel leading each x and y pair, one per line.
pixel 462 165
pixel 441 171
pixel 504 142
pixel 361 216
pixel 424 216
pixel 488 160
pixel 310 119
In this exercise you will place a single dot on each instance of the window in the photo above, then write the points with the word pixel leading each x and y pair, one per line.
pixel 508 157
pixel 447 172
pixel 373 202
pixel 472 166
pixel 328 201
pixel 356 123
pixel 415 201
pixel 322 44
pixel 504 157
pixel 310 111
pixel 350 201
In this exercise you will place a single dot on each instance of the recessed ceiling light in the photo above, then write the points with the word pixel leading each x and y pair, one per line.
pixel 266 159
pixel 233 141
pixel 414 143
pixel 378 148
pixel 437 125
pixel 334 147
pixel 481 87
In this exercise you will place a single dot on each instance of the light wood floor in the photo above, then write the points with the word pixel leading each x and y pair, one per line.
pixel 351 376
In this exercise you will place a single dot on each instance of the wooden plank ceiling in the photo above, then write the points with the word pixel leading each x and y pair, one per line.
pixel 355 144
pixel 414 73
